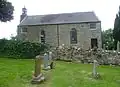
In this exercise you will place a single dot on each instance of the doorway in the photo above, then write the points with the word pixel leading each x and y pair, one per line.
pixel 94 42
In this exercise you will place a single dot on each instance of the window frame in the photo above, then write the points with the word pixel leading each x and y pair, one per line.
pixel 24 31
pixel 92 25
pixel 73 34
pixel 42 36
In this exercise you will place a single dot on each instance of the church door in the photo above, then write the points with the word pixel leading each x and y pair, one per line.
pixel 94 42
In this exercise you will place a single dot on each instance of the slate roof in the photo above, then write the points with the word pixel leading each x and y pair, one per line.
pixel 62 18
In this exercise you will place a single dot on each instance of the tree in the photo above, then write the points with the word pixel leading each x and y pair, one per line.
pixel 6 11
pixel 116 30
pixel 107 39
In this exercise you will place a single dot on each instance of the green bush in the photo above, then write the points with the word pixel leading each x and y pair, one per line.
pixel 20 49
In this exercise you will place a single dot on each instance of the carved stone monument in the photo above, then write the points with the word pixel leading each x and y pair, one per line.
pixel 38 76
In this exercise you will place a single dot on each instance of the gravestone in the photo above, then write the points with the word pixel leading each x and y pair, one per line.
pixel 94 68
pixel 50 57
pixel 96 75
pixel 38 76
pixel 51 60
pixel 46 62
pixel 118 47
pixel 104 47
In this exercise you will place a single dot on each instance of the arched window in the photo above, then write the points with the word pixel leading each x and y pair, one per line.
pixel 42 36
pixel 73 36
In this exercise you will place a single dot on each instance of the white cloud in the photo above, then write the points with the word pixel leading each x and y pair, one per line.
pixel 104 9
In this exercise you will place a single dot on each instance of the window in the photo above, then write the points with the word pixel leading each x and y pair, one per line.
pixel 82 25
pixel 92 25
pixel 73 36
pixel 42 36
pixel 23 30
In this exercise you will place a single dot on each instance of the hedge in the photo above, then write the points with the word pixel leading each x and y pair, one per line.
pixel 20 49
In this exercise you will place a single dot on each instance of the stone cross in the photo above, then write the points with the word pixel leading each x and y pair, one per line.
pixel 37 76
pixel 46 61
pixel 94 68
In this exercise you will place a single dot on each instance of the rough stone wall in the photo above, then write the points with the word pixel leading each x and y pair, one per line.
pixel 30 35
pixel 96 34
pixel 34 32
pixel 103 57
pixel 51 34
pixel 84 34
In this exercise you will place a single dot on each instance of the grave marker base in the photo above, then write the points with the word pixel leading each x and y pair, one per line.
pixel 96 76
pixel 47 68
pixel 36 80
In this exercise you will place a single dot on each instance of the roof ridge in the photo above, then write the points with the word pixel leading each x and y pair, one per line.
pixel 73 17
pixel 62 13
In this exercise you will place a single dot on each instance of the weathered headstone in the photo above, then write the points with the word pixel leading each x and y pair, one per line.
pixel 50 57
pixel 46 61
pixel 51 60
pixel 118 47
pixel 38 76
pixel 104 47
pixel 95 74
pixel 94 68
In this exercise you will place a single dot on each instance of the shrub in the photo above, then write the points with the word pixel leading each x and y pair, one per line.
pixel 20 49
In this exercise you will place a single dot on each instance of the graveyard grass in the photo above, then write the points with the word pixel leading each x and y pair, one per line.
pixel 18 73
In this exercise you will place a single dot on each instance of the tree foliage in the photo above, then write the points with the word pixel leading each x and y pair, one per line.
pixel 6 11
pixel 116 30
pixel 107 39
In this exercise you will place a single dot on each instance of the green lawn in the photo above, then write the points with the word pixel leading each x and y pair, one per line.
pixel 18 73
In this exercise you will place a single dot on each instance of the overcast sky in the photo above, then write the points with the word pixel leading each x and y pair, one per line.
pixel 104 9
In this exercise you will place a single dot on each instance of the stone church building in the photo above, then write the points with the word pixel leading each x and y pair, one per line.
pixel 79 28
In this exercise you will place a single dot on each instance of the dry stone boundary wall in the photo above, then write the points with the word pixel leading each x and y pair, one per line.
pixel 73 53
